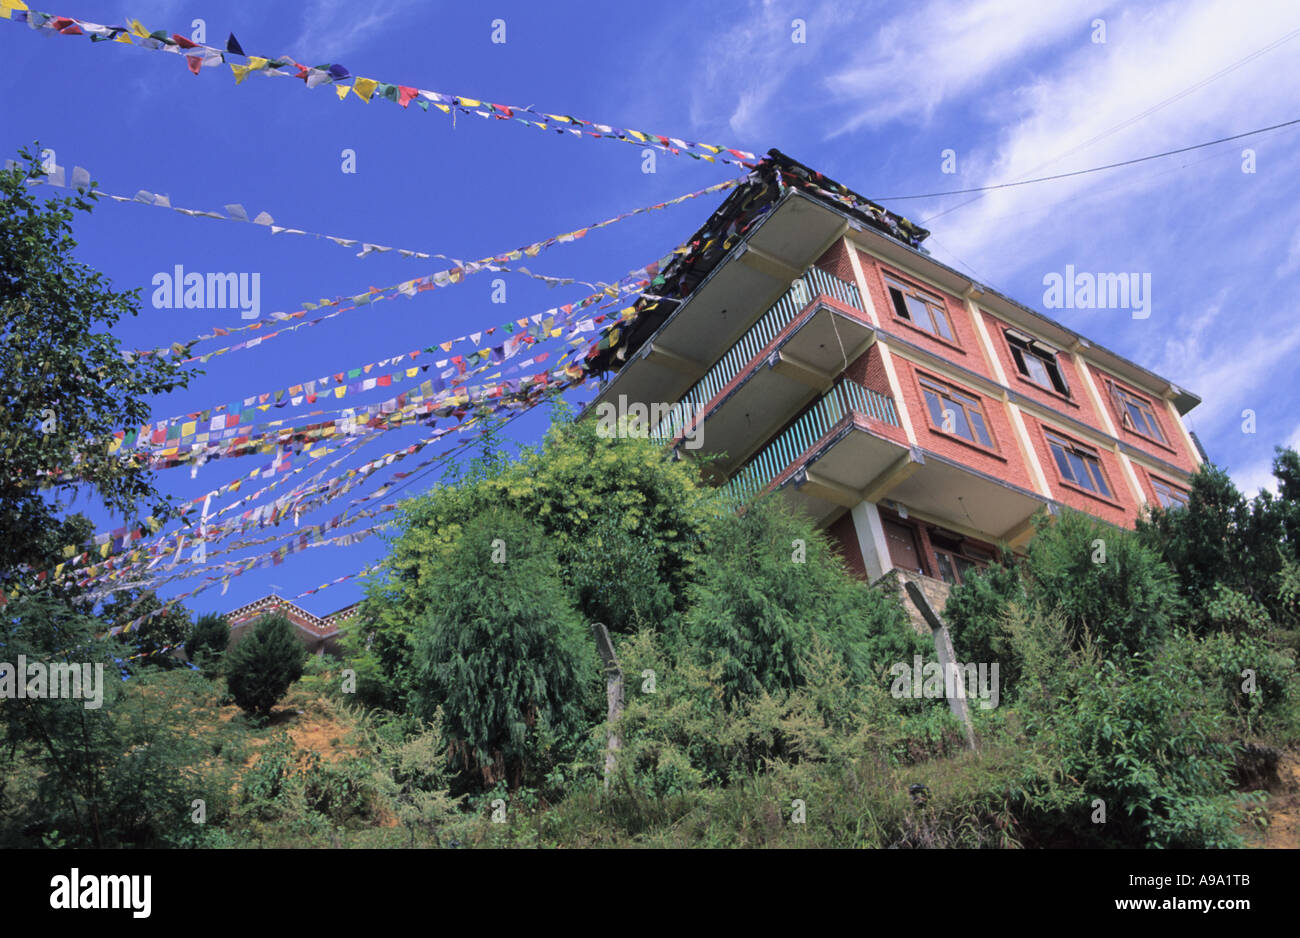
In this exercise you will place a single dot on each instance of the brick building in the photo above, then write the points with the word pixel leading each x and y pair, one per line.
pixel 320 635
pixel 919 416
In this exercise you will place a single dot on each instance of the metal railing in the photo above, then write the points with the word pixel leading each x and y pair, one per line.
pixel 814 282
pixel 844 398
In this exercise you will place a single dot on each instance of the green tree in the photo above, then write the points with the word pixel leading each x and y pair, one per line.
pixel 502 651
pixel 168 629
pixel 207 643
pixel 262 665
pixel 1221 540
pixel 626 523
pixel 772 581
pixel 105 772
pixel 1105 582
pixel 64 385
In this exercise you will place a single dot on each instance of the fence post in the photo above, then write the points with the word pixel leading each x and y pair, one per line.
pixel 613 694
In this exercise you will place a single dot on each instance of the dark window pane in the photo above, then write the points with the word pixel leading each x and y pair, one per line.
pixel 981 431
pixel 945 568
pixel 900 307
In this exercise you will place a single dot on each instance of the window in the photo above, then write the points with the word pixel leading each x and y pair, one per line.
pixel 1078 464
pixel 1037 362
pixel 1169 496
pixel 1137 414
pixel 922 309
pixel 956 557
pixel 955 412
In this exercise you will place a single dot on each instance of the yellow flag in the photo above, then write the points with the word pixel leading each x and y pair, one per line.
pixel 241 72
pixel 138 28
pixel 7 5
pixel 342 91
pixel 256 63
pixel 365 87
pixel 187 428
pixel 636 133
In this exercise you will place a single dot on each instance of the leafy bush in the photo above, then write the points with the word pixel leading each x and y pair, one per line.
pixel 262 665
pixel 207 642
pixel 502 651
pixel 771 579
pixel 1132 732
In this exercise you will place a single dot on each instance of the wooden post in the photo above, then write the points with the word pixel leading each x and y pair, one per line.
pixel 613 693
pixel 953 676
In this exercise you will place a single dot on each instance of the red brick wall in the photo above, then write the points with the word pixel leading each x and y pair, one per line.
pixel 1121 509
pixel 965 351
pixel 844 539
pixel 1005 463
pixel 836 262
pixel 868 370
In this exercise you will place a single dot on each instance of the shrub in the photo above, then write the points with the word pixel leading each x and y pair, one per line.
pixel 262 665
pixel 502 652
pixel 207 642
pixel 772 578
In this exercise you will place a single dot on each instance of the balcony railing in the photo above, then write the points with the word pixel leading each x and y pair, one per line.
pixel 844 398
pixel 814 282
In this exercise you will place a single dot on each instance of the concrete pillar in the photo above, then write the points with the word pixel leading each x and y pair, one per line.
pixel 871 540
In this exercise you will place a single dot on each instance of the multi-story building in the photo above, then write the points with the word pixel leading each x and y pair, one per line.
pixel 814 347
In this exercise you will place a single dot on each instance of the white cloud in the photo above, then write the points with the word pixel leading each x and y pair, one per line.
pixel 938 53
pixel 332 28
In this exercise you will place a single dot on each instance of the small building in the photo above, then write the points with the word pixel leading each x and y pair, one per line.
pixel 320 635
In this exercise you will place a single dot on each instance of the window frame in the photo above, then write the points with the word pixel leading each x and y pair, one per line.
pixel 1179 497
pixel 1122 398
pixel 963 552
pixel 933 303
pixel 1083 453
pixel 1023 348
pixel 946 391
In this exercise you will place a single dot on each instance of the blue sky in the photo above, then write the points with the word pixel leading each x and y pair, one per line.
pixel 872 98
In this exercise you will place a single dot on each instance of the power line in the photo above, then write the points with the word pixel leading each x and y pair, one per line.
pixel 1094 169
pixel 1137 117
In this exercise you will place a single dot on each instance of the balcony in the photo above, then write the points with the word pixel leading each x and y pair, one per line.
pixel 822 340
pixel 843 433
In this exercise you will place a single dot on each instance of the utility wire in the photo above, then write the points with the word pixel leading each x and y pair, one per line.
pixel 1137 117
pixel 1094 169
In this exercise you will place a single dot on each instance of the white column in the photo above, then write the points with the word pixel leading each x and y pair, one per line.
pixel 871 540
